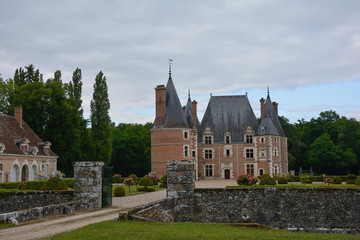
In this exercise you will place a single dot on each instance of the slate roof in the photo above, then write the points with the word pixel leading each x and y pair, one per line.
pixel 267 127
pixel 10 131
pixel 174 117
pixel 270 114
pixel 188 113
pixel 231 114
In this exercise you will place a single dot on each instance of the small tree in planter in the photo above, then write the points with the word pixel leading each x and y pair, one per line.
pixel 129 182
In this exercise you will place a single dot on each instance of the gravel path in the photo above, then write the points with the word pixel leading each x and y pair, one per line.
pixel 49 227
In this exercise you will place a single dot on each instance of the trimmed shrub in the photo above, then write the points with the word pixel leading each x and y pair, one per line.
pixel 305 179
pixel 351 179
pixel 357 182
pixel 163 181
pixel 146 189
pixel 265 176
pixel 134 177
pixel 9 185
pixel 246 179
pixel 21 185
pixel 267 181
pixel 34 185
pixel 337 180
pixel 294 179
pixel 119 192
pixel 328 181
pixel 282 180
pixel 317 178
pixel 146 181
pixel 54 183
pixel 117 178
pixel 69 182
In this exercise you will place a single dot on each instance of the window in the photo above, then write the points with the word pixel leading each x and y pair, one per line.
pixel 209 171
pixel 193 153
pixel 1 167
pixel 276 153
pixel 186 151
pixel 2 147
pixel 276 169
pixel 262 140
pixel 227 138
pixel 261 172
pixel 186 134
pixel 275 140
pixel 249 153
pixel 262 130
pixel 249 139
pixel 208 154
pixel 250 169
pixel 208 140
pixel 227 152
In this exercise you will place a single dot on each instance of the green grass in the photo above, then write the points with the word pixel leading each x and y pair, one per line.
pixel 299 185
pixel 6 225
pixel 133 189
pixel 149 231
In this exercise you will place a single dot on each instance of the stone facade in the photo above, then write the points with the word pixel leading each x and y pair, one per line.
pixel 88 182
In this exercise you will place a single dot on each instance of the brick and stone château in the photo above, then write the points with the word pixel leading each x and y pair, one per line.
pixel 228 142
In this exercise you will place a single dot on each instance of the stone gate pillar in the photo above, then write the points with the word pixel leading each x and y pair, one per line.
pixel 180 187
pixel 88 182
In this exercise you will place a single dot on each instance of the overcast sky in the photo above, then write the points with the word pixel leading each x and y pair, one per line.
pixel 307 52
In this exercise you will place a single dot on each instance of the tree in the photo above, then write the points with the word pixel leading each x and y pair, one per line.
pixel 7 92
pixel 100 120
pixel 75 90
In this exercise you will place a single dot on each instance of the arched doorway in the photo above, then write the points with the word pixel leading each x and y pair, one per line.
pixel 25 173
pixel 33 173
pixel 15 173
pixel 261 172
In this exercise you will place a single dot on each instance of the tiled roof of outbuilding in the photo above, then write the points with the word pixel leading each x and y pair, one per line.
pixel 174 117
pixel 231 114
pixel 10 131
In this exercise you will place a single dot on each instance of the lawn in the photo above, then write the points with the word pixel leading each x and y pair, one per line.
pixel 300 185
pixel 133 189
pixel 145 230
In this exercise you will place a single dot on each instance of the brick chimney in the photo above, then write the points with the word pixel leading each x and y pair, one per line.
pixel 275 105
pixel 194 112
pixel 160 100
pixel 18 115
pixel 262 108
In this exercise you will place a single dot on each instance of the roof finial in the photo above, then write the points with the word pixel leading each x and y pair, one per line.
pixel 170 60
pixel 268 91
pixel 189 92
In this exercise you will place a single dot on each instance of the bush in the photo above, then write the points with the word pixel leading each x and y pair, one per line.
pixel 69 182
pixel 117 178
pixel 9 185
pixel 265 176
pixel 163 181
pixel 34 185
pixel 267 181
pixel 146 181
pixel 317 178
pixel 337 180
pixel 21 185
pixel 54 183
pixel 351 179
pixel 329 180
pixel 305 179
pixel 119 192
pixel 282 180
pixel 357 182
pixel 294 179
pixel 246 179
pixel 134 177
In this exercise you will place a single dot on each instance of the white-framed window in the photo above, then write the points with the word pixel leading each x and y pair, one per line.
pixel 193 153
pixel 186 134
pixel 250 169
pixel 275 140
pixel 208 154
pixel 276 152
pixel 186 151
pixel 276 169
pixel 227 152
pixel 227 138
pixel 249 139
pixel 2 147
pixel 249 153
pixel 262 140
pixel 209 170
pixel 208 140
pixel 1 167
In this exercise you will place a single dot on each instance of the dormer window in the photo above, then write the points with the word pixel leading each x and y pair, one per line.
pixel 262 130
pixel 2 147
pixel 208 140
pixel 227 138
pixel 208 136
pixel 249 139
pixel 249 133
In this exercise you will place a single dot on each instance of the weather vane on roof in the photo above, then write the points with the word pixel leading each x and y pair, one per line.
pixel 170 60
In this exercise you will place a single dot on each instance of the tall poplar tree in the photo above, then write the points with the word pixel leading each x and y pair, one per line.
pixel 100 120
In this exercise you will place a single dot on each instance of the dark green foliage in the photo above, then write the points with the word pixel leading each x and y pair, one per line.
pixel 131 148
pixel 119 192
pixel 265 176
pixel 357 182
pixel 146 181
pixel 134 177
pixel 282 180
pixel 163 179
pixel 9 185
pixel 317 178
pixel 294 179
pixel 69 182
pixel 54 183
pixel 117 178
pixel 267 181
pixel 305 179
pixel 351 179
pixel 100 120
pixel 337 180
pixel 21 185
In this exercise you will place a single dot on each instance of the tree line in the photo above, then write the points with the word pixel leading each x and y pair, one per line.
pixel 53 110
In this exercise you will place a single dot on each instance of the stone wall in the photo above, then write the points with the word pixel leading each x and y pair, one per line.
pixel 180 187
pixel 14 201
pixel 88 182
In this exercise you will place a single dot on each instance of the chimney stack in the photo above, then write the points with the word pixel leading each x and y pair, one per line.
pixel 18 115
pixel 275 105
pixel 262 107
pixel 194 112
pixel 160 99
